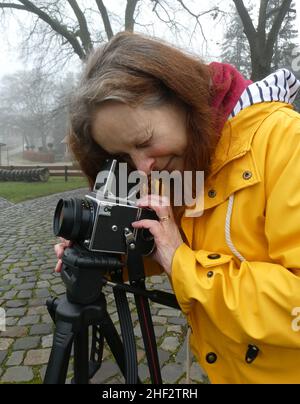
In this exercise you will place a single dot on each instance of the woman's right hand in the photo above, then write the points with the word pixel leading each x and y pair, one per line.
pixel 59 251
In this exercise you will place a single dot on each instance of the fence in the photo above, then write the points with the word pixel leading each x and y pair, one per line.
pixel 55 171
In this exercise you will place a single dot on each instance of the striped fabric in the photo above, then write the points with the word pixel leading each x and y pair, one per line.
pixel 279 86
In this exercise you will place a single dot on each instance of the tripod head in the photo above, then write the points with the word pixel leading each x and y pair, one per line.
pixel 83 271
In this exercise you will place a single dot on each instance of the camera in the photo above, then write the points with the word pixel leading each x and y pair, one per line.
pixel 101 222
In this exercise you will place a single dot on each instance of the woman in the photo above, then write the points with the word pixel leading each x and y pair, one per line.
pixel 236 269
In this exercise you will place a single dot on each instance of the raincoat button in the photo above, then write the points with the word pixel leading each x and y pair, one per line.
pixel 210 274
pixel 211 358
pixel 247 175
pixel 212 193
pixel 252 353
pixel 214 256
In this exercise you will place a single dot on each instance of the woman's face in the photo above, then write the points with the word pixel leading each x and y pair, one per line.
pixel 148 138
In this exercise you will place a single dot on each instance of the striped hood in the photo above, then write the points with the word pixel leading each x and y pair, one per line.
pixel 280 86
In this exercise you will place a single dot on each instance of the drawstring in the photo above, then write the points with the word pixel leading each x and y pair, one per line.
pixel 227 230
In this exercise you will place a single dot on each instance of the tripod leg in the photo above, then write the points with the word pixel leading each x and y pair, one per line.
pixel 114 342
pixel 60 354
pixel 81 356
pixel 128 338
pixel 149 339
pixel 137 279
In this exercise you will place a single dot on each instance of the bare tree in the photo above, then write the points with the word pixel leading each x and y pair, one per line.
pixel 76 26
pixel 79 25
pixel 34 106
pixel 262 39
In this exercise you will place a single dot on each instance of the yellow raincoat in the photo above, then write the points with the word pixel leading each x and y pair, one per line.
pixel 238 277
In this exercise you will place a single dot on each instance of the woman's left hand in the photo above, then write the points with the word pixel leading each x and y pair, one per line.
pixel 166 234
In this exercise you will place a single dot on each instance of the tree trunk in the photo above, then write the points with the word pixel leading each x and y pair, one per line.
pixel 259 70
pixel 261 44
pixel 129 13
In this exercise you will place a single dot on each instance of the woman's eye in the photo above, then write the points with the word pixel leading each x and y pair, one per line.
pixel 144 144
pixel 141 146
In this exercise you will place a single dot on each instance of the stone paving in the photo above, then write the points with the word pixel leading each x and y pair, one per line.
pixel 4 204
pixel 27 279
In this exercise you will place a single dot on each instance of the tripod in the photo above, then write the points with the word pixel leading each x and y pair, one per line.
pixel 84 306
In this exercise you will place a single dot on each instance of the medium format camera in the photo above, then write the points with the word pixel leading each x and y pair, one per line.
pixel 101 222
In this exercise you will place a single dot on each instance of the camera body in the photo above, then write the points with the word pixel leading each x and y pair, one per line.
pixel 101 222
pixel 112 224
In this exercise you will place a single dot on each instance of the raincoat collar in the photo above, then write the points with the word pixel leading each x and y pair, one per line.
pixel 238 133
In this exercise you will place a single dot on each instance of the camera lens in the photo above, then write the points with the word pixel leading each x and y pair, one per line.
pixel 61 218
pixel 73 219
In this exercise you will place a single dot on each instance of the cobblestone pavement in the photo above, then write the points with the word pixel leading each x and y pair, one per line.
pixel 4 204
pixel 27 280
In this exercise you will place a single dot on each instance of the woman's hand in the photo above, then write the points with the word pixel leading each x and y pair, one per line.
pixel 59 251
pixel 165 232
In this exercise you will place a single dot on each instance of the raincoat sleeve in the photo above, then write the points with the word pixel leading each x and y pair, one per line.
pixel 260 300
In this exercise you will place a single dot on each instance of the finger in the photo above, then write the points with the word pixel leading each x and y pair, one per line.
pixel 58 266
pixel 59 250
pixel 159 204
pixel 67 243
pixel 64 242
pixel 152 225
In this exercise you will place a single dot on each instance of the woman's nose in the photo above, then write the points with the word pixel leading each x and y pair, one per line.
pixel 143 163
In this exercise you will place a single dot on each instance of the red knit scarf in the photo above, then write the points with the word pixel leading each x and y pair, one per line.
pixel 228 85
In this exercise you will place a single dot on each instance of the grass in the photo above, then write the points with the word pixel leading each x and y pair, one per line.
pixel 22 191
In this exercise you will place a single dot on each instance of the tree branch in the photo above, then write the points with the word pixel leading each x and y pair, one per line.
pixel 275 10
pixel 105 18
pixel 129 13
pixel 246 20
pixel 84 33
pixel 286 4
pixel 12 5
pixel 196 15
pixel 54 24
pixel 169 21
pixel 262 21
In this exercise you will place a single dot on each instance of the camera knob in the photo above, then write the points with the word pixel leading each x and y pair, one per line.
pixel 129 237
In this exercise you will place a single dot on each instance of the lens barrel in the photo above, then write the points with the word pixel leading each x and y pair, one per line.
pixel 73 219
